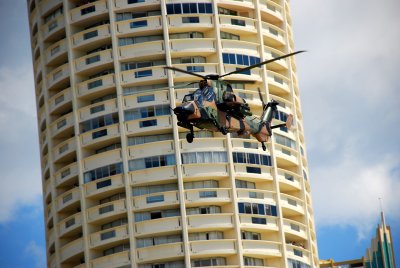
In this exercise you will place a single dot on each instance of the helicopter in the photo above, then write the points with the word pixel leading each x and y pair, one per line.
pixel 215 107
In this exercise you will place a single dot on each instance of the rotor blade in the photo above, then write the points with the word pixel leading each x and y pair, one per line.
pixel 261 98
pixel 262 63
pixel 184 71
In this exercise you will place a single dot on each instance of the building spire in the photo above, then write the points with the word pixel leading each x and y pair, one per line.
pixel 382 213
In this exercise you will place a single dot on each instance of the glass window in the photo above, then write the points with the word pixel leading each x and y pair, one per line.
pixel 145 98
pixel 138 24
pixel 107 235
pixel 103 184
pixel 190 19
pixel 88 10
pixel 207 194
pixel 154 199
pixel 238 22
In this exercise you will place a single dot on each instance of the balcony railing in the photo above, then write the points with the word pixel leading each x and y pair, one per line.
pixel 157 226
pixel 88 11
pixel 206 221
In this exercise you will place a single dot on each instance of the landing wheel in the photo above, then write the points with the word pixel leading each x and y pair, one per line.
pixel 189 137
pixel 263 146
pixel 224 131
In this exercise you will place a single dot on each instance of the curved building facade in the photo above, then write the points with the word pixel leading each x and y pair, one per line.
pixel 121 186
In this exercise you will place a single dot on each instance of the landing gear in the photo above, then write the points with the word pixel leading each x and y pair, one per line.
pixel 224 130
pixel 189 137
pixel 263 146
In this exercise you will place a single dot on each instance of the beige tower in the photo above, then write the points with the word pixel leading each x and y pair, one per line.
pixel 121 186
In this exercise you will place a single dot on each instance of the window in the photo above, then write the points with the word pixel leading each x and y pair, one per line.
pixel 190 19
pixel 103 184
pixel 94 84
pixel 103 172
pixel 250 145
pixel 195 69
pixel 289 177
pixel 52 25
pixel 139 39
pixel 138 24
pixel 207 194
pixel 59 99
pixel 206 236
pixel 92 59
pixel 248 261
pixel 251 236
pixel 273 31
pixel 91 34
pixel 255 220
pixel 143 73
pixel 99 134
pixel 245 184
pixel 116 249
pixel 88 10
pixel 144 190
pixel 204 157
pixel 69 223
pixel 97 109
pixel 239 59
pixel 115 223
pixel 297 264
pixel 292 202
pixel 145 98
pixel 107 235
pixel 106 209
pixel 238 22
pixel 255 208
pixel 249 158
pixel 225 35
pixel 209 262
pixel 297 252
pixel 225 11
pixel 254 170
pixel 186 35
pixel 295 227
pixel 54 50
pixel 154 199
pixel 201 184
pixel 146 139
pixel 146 112
pixel 282 140
pixel 150 162
pixel 135 1
pixel 144 216
pixel 173 264
pixel 189 8
pixel 57 74
pixel 65 173
pixel 67 198
pixel 99 122
pixel 148 123
pixel 63 148
pixel 203 210
pixel 61 123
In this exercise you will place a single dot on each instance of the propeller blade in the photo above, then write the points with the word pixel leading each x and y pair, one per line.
pixel 262 63
pixel 184 71
pixel 261 98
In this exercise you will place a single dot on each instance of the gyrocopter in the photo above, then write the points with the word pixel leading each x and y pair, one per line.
pixel 215 107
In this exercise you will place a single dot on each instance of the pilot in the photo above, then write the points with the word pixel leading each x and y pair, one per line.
pixel 204 92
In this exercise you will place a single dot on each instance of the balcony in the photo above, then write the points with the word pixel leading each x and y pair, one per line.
pixel 271 11
pixel 273 36
pixel 119 259
pixel 140 26
pixel 48 5
pixel 92 37
pixel 144 51
pixel 160 252
pixel 207 196
pixel 291 206
pixel 41 115
pixel 193 46
pixel 294 230
pixel 61 125
pixel 211 248
pixel 68 199
pixel 97 188
pixel 194 171
pixel 237 24
pixel 51 237
pixel 261 248
pixel 240 47
pixel 47 189
pixel 94 62
pixel 152 149
pixel 204 222
pixel 109 236
pixel 89 13
pixel 298 253
pixel 102 159
pixel 71 225
pixel 54 29
pixel 153 125
pixel 241 4
pixel 209 68
pixel 65 175
pixel 106 212
pixel 247 223
pixel 279 65
pixel 123 5
pixel 285 156
pixel 56 53
pixel 176 24
pixel 61 102
pixel 167 200
pixel 158 226
pixel 109 133
pixel 288 181
pixel 65 151
pixel 132 101
pixel 159 174
pixel 249 195
pixel 58 77
pixel 144 76
pixel 242 171
pixel 203 144
pixel 97 86
pixel 98 109
pixel 278 84
pixel 71 249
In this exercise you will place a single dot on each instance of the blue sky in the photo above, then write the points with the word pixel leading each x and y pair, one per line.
pixel 350 95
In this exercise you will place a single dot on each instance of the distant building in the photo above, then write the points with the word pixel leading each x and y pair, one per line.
pixel 379 255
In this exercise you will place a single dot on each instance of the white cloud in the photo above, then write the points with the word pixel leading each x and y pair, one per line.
pixel 37 253
pixel 19 157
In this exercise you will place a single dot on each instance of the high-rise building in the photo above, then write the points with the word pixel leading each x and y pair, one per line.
pixel 379 255
pixel 121 186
